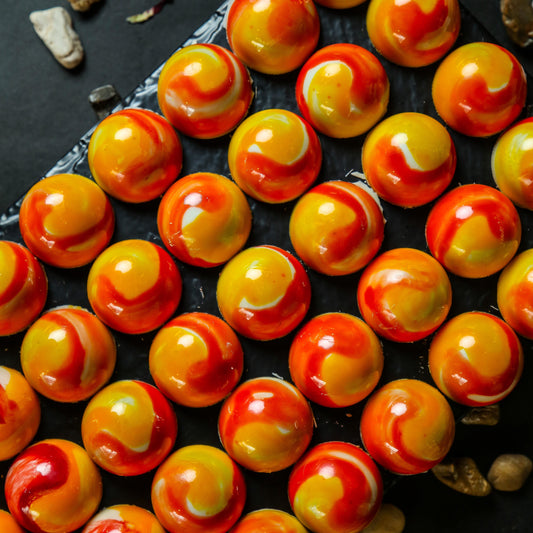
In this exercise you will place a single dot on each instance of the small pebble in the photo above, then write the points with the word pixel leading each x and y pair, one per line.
pixel 462 475
pixel 517 17
pixel 82 5
pixel 103 100
pixel 509 472
pixel 488 415
pixel 54 27
pixel 389 519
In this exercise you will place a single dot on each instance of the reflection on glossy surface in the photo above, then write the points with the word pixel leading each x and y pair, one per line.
pixel 196 359
pixel 266 424
pixel 198 488
pixel 404 295
pixel 336 360
pixel 68 354
pixel 335 488
pixel 515 294
pixel 479 89
pixel 273 36
pixel 134 155
pixel 512 163
pixel 407 426
pixel 413 33
pixel 204 219
pixel 476 359
pixel 204 91
pixel 268 521
pixel 336 228
pixel 274 156
pixel 409 159
pixel 23 288
pixel 128 428
pixel 20 413
pixel 342 90
pixel 473 231
pixel 134 286
pixel 263 292
pixel 123 519
pixel 66 220
pixel 53 486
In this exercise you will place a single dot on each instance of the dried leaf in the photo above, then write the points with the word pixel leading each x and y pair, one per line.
pixel 148 14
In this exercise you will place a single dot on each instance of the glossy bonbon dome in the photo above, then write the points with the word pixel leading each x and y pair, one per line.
pixel 476 359
pixel 413 33
pixel 263 292
pixel 266 424
pixel 273 37
pixel 134 155
pixel 53 486
pixel 342 90
pixel 473 231
pixel 337 228
pixel 134 286
pixel 479 89
pixel 407 426
pixel 68 354
pixel 274 156
pixel 335 488
pixel 404 295
pixel 204 219
pixel 409 159
pixel 66 220
pixel 204 90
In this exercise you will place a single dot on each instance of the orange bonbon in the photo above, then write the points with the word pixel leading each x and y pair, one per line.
pixel 68 354
pixel 134 286
pixel 134 155
pixel 204 219
pixel 409 159
pixel 23 288
pixel 123 518
pixel 342 90
pixel 20 413
pixel 263 292
pixel 512 163
pixel 479 89
pixel 337 228
pixel 476 359
pixel 266 424
pixel 473 230
pixel 273 36
pixel 274 156
pixel 336 360
pixel 413 33
pixel 198 488
pixel 196 359
pixel 128 428
pixel 66 220
pixel 335 488
pixel 53 486
pixel 404 295
pixel 407 426
pixel 204 90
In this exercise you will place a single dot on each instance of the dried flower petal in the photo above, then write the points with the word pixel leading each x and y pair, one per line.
pixel 147 14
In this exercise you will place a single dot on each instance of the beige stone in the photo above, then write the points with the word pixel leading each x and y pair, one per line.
pixel 82 5
pixel 462 475
pixel 509 472
pixel 389 519
pixel 54 27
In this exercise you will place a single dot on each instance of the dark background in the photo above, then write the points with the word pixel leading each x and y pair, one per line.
pixel 44 110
